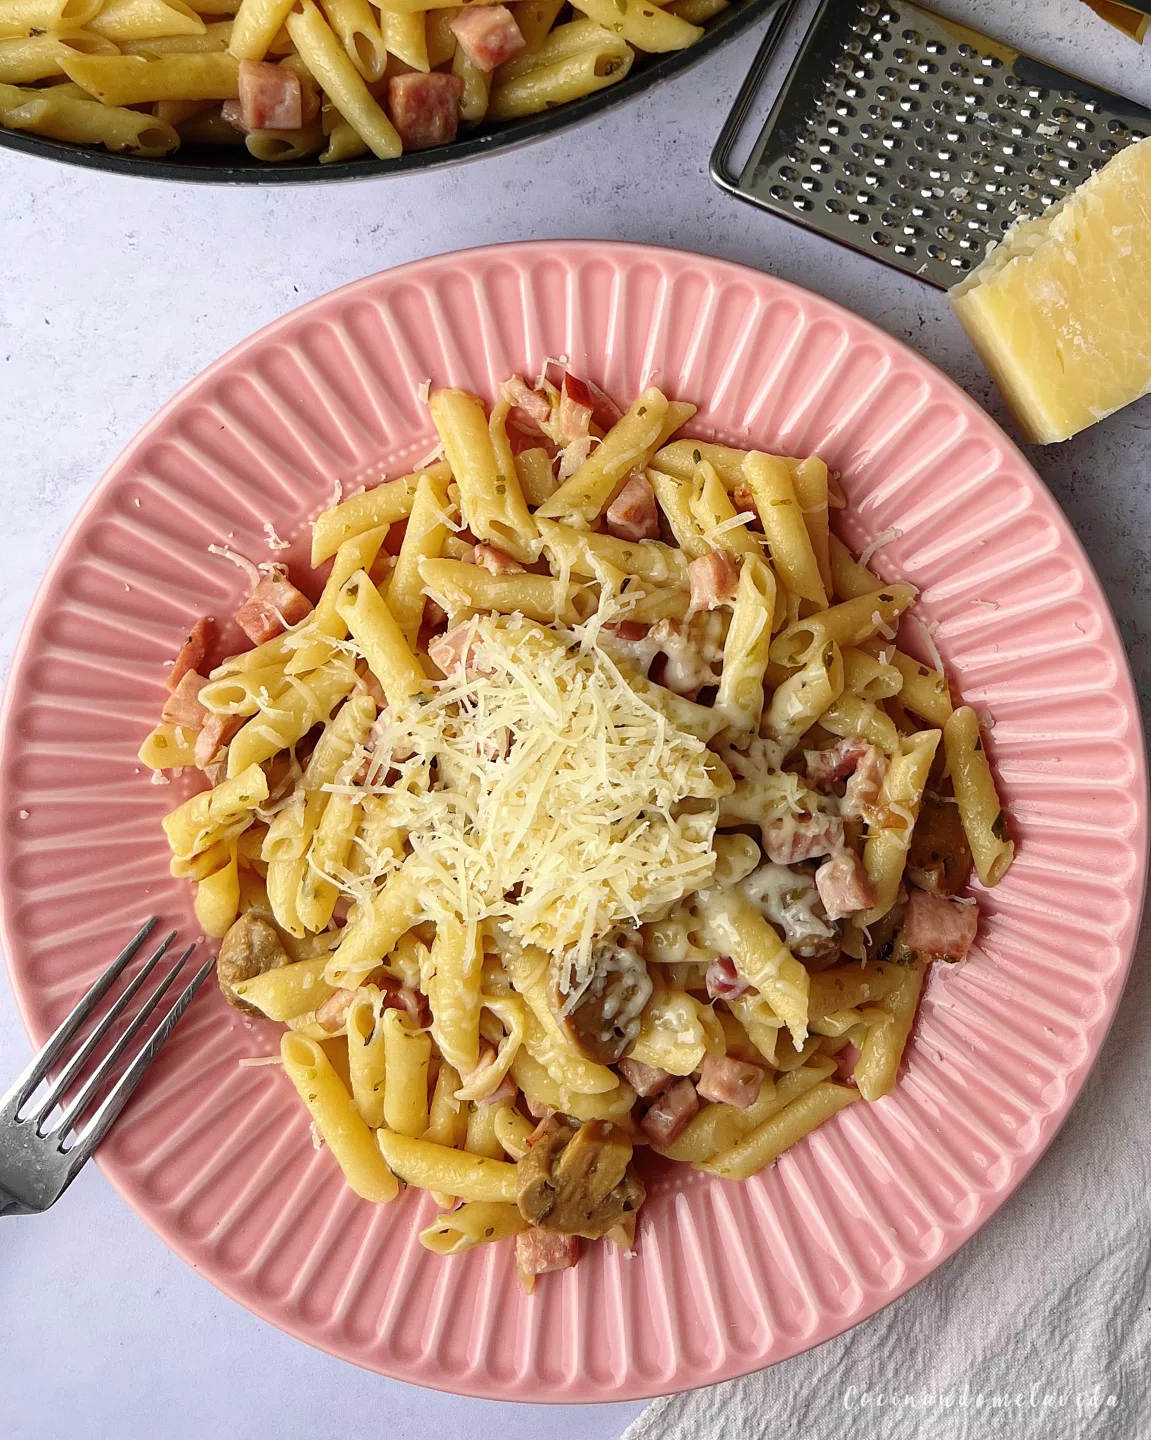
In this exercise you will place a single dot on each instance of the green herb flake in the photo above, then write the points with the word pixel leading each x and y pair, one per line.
pixel 999 828
pixel 697 457
pixel 887 599
pixel 784 501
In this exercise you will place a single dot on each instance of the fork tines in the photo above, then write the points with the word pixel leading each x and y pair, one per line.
pixel 54 1117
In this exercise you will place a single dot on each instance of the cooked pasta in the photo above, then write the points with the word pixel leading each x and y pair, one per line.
pixel 598 821
pixel 292 79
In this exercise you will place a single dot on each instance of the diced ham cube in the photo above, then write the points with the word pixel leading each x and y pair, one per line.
pixel 714 579
pixel 333 1013
pixel 729 1081
pixel 604 411
pixel 498 561
pixel 541 1252
pixel 630 630
pixel 191 654
pixel 723 980
pixel 275 605
pixel 743 500
pixel 790 840
pixel 505 1090
pixel 645 1080
pixel 668 1117
pixel 937 928
pixel 845 1062
pixel 633 514
pixel 458 649
pixel 216 730
pixel 824 767
pixel 862 794
pixel 488 35
pixel 843 885
pixel 270 97
pixel 232 113
pixel 414 1003
pixel 534 403
pixel 425 109
pixel 183 706
pixel 575 409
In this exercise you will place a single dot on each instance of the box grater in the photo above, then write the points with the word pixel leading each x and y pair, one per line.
pixel 914 139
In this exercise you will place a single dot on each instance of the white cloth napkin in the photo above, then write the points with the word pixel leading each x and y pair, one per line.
pixel 1039 1327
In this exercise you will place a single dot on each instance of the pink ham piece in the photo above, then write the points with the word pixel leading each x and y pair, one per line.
pixel 668 1117
pixel 940 929
pixel 541 1252
pixel 191 654
pixel 845 1062
pixel 645 1080
pixel 488 35
pixel 843 885
pixel 457 650
pixel 604 411
pixel 499 562
pixel 216 730
pixel 414 1003
pixel 863 788
pixel 183 706
pixel 275 605
pixel 425 109
pixel 270 97
pixel 333 1013
pixel 824 767
pixel 633 515
pixel 714 579
pixel 575 410
pixel 507 1089
pixel 723 980
pixel 534 403
pixel 728 1081
pixel 788 841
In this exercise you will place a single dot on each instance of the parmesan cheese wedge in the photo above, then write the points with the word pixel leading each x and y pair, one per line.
pixel 1060 311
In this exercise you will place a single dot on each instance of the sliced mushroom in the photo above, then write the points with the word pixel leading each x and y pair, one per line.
pixel 250 948
pixel 939 859
pixel 886 942
pixel 606 1020
pixel 579 1181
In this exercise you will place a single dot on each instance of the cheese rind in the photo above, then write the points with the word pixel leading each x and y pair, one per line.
pixel 1060 311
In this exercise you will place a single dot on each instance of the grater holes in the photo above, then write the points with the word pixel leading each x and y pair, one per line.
pixel 880 239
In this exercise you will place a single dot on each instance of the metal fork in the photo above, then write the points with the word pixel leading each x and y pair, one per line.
pixel 37 1162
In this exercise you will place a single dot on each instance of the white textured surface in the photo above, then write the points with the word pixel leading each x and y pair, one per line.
pixel 112 294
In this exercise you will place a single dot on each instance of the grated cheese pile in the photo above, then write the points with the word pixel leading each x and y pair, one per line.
pixel 546 793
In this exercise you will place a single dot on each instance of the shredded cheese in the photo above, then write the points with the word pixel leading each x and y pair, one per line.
pixel 239 560
pixel 275 542
pixel 535 764
pixel 928 633
pixel 885 538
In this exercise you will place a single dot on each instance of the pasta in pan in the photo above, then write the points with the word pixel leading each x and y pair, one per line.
pixel 577 816
pixel 292 79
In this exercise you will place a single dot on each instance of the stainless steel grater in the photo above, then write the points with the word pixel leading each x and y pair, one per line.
pixel 914 139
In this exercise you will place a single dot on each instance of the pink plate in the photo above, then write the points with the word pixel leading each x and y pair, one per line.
pixel 727 1278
